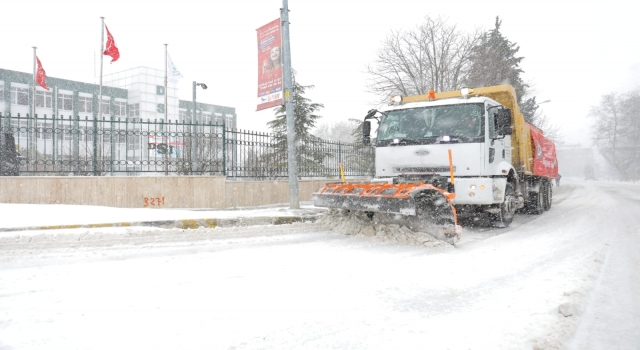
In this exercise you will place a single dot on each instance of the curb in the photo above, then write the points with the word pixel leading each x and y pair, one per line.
pixel 183 224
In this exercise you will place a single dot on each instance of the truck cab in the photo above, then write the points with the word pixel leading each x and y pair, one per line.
pixel 414 138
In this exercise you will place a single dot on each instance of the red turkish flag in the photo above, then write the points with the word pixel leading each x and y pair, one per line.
pixel 41 75
pixel 112 49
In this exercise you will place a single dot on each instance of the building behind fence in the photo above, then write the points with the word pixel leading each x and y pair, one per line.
pixel 135 94
pixel 119 146
pixel 67 137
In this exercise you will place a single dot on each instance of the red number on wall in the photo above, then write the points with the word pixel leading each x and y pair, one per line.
pixel 153 201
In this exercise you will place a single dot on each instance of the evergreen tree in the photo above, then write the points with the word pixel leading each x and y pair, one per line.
pixel 494 62
pixel 309 151
pixel 529 108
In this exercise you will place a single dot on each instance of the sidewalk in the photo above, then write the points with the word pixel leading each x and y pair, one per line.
pixel 27 217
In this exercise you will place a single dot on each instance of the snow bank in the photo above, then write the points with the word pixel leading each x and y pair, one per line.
pixel 140 235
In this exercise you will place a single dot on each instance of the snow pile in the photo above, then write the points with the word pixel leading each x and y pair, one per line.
pixel 384 227
pixel 140 235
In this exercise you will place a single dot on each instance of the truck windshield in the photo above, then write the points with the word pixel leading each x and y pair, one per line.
pixel 464 122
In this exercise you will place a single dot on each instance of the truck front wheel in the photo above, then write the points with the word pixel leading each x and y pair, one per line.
pixel 507 209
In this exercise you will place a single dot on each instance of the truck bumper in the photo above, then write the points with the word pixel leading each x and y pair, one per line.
pixel 479 191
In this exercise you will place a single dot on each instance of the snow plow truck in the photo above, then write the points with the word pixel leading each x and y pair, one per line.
pixel 453 155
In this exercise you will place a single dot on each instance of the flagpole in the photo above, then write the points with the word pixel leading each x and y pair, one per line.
pixel 166 88
pixel 33 101
pixel 33 109
pixel 166 109
pixel 95 120
pixel 101 59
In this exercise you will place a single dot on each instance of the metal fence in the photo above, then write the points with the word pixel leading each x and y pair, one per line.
pixel 66 145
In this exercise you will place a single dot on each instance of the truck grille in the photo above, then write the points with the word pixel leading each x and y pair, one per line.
pixel 430 169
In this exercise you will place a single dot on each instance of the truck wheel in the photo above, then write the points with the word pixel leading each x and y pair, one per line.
pixel 507 208
pixel 548 195
pixel 536 203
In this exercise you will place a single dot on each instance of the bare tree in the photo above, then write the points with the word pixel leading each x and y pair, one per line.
pixel 337 131
pixel 540 120
pixel 551 131
pixel 617 132
pixel 208 154
pixel 433 56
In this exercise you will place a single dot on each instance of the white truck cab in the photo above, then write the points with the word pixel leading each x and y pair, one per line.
pixel 415 138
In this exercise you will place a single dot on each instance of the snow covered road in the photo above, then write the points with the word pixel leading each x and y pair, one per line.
pixel 565 279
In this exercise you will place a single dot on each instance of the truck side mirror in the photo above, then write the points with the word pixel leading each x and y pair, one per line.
pixel 370 114
pixel 503 119
pixel 366 132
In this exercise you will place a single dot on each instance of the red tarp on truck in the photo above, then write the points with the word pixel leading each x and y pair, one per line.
pixel 545 162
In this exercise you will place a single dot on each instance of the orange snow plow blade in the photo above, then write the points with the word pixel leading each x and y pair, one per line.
pixel 424 201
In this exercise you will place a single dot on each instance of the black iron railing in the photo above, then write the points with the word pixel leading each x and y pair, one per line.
pixel 65 145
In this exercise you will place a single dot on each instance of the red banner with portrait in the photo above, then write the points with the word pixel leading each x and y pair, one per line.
pixel 270 64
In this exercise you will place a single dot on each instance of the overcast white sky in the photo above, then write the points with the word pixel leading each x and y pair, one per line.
pixel 575 51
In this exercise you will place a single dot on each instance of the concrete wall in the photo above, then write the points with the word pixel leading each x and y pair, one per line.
pixel 154 192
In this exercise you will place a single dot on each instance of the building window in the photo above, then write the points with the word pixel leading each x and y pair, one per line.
pixel 86 134
pixel 1 91
pixel 19 96
pixel 67 131
pixel 184 116
pixel 19 127
pixel 65 102
pixel 85 104
pixel 133 143
pixel 120 108
pixel 44 99
pixel 134 110
pixel 106 107
pixel 44 131
pixel 206 118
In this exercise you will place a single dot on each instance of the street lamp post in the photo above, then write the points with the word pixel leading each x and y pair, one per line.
pixel 194 139
pixel 287 79
pixel 545 101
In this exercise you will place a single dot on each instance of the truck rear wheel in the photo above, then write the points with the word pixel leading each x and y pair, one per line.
pixel 536 203
pixel 547 195
pixel 507 209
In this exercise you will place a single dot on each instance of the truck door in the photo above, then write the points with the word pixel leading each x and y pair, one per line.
pixel 495 149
